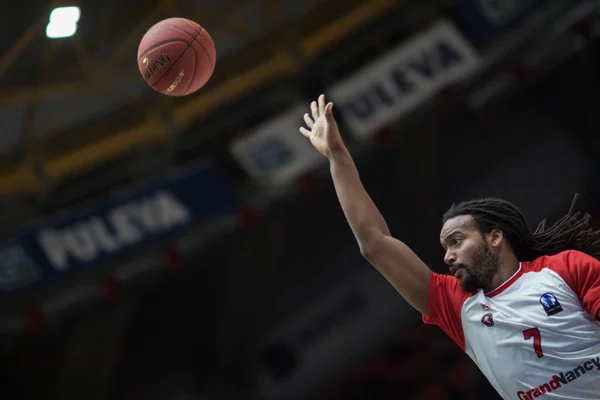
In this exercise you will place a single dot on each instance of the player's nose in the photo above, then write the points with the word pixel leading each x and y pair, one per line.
pixel 449 258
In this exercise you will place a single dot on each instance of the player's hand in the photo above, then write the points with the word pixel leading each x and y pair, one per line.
pixel 322 130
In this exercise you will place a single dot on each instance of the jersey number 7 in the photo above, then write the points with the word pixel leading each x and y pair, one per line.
pixel 537 340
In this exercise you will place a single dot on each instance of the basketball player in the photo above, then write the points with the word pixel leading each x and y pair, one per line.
pixel 524 306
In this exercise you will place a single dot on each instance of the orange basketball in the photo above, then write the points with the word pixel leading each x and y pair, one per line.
pixel 176 57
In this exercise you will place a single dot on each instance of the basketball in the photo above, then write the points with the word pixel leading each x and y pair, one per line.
pixel 176 57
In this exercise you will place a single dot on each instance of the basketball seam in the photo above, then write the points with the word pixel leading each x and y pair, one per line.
pixel 194 29
pixel 189 45
pixel 186 33
pixel 172 65
pixel 190 25
pixel 193 71
pixel 195 39
pixel 212 65
pixel 156 46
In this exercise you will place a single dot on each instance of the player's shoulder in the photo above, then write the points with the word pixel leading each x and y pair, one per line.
pixel 451 285
pixel 558 262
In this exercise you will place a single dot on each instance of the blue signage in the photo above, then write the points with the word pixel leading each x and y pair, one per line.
pixel 271 153
pixel 98 234
pixel 483 20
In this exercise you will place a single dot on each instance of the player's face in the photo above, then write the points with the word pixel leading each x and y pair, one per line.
pixel 468 254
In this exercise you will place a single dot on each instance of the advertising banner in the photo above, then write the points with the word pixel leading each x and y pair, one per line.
pixel 100 233
pixel 403 78
pixel 276 153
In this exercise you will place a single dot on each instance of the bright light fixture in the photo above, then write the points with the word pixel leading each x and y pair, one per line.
pixel 63 22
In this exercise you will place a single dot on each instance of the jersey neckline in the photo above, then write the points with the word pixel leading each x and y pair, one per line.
pixel 506 284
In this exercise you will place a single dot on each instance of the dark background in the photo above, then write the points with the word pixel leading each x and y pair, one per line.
pixel 274 301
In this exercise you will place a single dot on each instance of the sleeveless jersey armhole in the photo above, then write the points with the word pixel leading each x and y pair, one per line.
pixel 445 302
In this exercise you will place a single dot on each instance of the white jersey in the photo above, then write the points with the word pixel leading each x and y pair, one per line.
pixel 537 335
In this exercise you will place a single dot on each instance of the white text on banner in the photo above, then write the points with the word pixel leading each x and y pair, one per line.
pixel 275 153
pixel 403 78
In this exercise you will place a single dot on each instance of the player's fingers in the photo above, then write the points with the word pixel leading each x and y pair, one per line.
pixel 329 112
pixel 304 131
pixel 308 120
pixel 314 110
pixel 321 104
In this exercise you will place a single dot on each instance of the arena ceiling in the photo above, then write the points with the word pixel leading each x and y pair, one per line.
pixel 65 104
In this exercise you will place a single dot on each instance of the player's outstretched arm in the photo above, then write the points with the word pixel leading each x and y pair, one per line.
pixel 392 258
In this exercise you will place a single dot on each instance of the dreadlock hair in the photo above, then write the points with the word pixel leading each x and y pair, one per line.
pixel 571 232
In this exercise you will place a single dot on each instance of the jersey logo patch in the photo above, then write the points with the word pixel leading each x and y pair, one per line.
pixel 550 304
pixel 485 307
pixel 488 319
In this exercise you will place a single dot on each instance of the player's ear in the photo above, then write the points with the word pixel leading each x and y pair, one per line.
pixel 495 237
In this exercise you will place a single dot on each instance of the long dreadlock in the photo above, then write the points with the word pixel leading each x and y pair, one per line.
pixel 571 232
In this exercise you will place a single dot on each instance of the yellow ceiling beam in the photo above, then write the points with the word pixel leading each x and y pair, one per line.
pixel 274 14
pixel 167 6
pixel 30 128
pixel 152 131
pixel 131 41
pixel 225 25
pixel 340 28
pixel 19 181
pixel 280 65
pixel 240 13
pixel 11 55
pixel 47 91
pixel 148 132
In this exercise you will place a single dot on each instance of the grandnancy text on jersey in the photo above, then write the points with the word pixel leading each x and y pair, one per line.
pixel 564 378
pixel 125 225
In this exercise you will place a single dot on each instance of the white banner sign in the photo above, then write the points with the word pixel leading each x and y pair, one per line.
pixel 276 152
pixel 402 79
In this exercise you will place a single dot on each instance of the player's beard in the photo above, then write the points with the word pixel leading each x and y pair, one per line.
pixel 480 273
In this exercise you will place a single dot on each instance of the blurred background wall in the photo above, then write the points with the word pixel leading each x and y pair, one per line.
pixel 236 276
